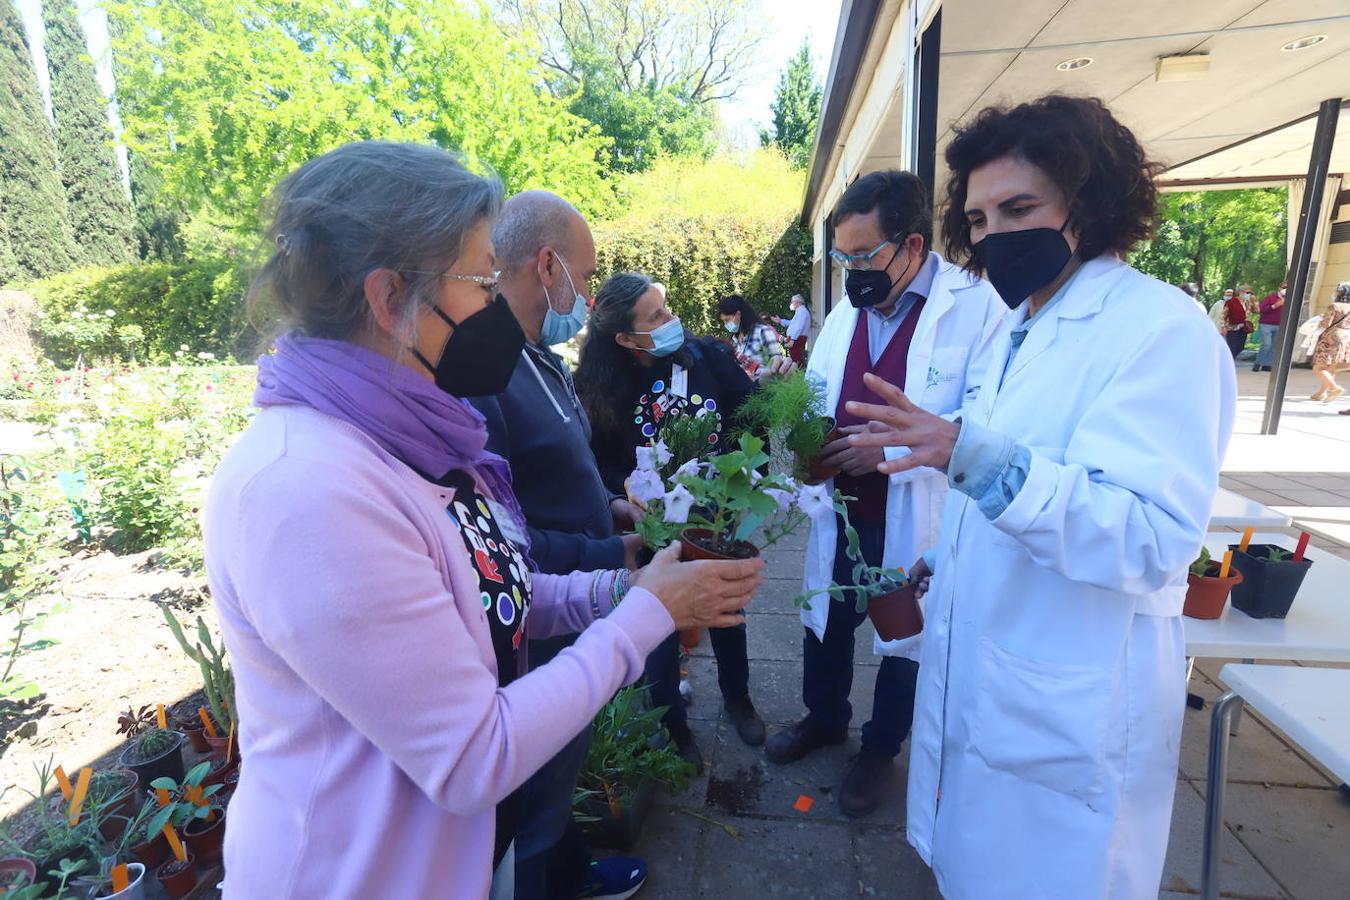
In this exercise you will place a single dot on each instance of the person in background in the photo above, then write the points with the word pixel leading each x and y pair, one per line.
pixel 1053 676
pixel 369 562
pixel 1332 353
pixel 1236 322
pixel 797 326
pixel 916 320
pixel 637 368
pixel 756 342
pixel 547 257
pixel 1270 310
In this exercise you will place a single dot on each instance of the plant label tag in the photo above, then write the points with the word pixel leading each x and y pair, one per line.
pixel 175 844
pixel 77 801
pixel 207 724
pixel 63 781
pixel 161 717
pixel 120 879
pixel 162 795
pixel 229 744
pixel 803 804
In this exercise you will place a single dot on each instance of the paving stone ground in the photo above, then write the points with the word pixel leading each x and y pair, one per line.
pixel 735 832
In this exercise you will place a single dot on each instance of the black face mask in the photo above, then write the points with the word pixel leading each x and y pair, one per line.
pixel 871 287
pixel 1019 263
pixel 481 354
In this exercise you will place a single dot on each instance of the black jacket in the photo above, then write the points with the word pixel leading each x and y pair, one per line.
pixel 538 425
pixel 714 377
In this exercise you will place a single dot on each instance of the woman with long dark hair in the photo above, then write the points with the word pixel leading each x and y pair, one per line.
pixel 756 342
pixel 639 367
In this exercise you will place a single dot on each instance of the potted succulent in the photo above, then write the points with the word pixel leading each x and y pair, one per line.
pixel 217 679
pixel 1271 577
pixel 154 753
pixel 102 885
pixel 1206 592
pixel 885 593
pixel 195 813
pixel 111 801
pixel 57 849
pixel 628 759
pixel 144 837
pixel 791 410
pixel 714 507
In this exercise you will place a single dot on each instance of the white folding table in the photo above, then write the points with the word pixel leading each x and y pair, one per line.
pixel 1306 704
pixel 1232 510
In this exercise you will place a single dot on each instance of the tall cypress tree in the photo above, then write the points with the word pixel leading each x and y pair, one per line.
pixel 100 210
pixel 32 200
pixel 796 107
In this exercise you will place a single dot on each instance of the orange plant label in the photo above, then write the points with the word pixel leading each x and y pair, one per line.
pixel 229 744
pixel 77 801
pixel 175 844
pixel 121 881
pixel 207 724
pixel 1247 538
pixel 161 716
pixel 1227 564
pixel 803 804
pixel 63 781
pixel 162 795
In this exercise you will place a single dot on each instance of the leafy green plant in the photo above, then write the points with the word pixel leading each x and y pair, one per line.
pixel 869 582
pixel 1277 554
pixel 53 837
pixel 791 410
pixel 725 495
pixel 217 678
pixel 1200 568
pixel 29 542
pixel 686 437
pixel 188 800
pixel 629 744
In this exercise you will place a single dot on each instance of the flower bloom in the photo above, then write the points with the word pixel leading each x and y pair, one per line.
pixel 663 454
pixel 815 501
pixel 689 469
pixel 678 503
pixel 782 498
pixel 645 486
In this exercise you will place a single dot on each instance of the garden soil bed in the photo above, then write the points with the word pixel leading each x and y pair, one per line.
pixel 105 647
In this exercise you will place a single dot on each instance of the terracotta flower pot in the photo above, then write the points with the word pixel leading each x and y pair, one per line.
pixel 221 769
pixel 697 543
pixel 152 853
pixel 816 473
pixel 196 736
pixel 896 615
pixel 218 744
pixel 206 840
pixel 177 878
pixel 690 637
pixel 1206 597
pixel 13 866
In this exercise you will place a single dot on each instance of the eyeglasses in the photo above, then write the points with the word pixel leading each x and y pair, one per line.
pixel 862 260
pixel 488 282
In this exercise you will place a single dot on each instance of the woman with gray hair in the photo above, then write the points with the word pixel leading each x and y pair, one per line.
pixel 370 565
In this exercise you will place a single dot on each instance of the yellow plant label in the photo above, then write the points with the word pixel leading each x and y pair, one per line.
pixel 161 716
pixel 207 724
pixel 1246 538
pixel 121 881
pixel 229 745
pixel 81 788
pixel 175 844
pixel 63 781
pixel 1227 563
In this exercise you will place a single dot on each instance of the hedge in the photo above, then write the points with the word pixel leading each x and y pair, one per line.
pixel 145 311
pixel 702 260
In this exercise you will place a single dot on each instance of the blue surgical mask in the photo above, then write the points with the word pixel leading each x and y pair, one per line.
pixel 559 328
pixel 731 327
pixel 666 339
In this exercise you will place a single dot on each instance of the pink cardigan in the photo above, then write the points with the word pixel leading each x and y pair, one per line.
pixel 375 738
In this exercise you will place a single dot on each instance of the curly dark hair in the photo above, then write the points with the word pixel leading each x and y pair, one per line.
pixel 1095 160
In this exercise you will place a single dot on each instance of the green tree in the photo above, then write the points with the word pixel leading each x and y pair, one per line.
pixel 796 109
pixel 32 201
pixel 100 211
pixel 1219 239
pixel 226 97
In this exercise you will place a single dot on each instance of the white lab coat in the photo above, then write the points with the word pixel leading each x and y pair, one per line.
pixel 1052 678
pixel 953 336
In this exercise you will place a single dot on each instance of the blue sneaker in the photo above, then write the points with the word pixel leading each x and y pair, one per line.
pixel 614 878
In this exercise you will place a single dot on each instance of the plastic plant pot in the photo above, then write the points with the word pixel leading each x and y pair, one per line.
pixel 177 878
pixel 1268 586
pixel 896 615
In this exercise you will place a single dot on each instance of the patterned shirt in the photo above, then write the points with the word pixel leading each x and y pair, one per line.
pixel 758 348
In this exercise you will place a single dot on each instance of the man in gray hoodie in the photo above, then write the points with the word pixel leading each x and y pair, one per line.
pixel 546 255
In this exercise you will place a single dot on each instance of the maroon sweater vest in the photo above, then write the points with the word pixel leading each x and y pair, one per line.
pixel 870 489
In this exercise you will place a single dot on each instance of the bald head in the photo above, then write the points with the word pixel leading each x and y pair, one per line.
pixel 546 255
pixel 531 221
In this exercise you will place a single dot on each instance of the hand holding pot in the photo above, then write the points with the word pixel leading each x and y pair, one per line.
pixel 780 365
pixel 702 594
pixel 843 455
pixel 632 547
pixel 921 575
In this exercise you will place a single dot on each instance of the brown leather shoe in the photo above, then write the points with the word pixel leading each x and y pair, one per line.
pixel 869 779
pixel 799 740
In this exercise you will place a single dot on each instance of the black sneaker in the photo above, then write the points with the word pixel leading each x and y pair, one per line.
pixel 799 740
pixel 686 746
pixel 748 723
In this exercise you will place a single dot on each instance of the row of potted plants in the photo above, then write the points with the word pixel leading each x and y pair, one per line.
pixel 1263 580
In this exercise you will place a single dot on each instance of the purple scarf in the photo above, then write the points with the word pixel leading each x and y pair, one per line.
pixel 406 414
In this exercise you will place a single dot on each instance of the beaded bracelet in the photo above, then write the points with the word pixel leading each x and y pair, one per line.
pixel 595 595
pixel 618 588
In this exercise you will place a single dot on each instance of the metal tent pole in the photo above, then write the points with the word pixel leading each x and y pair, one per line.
pixel 1308 220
